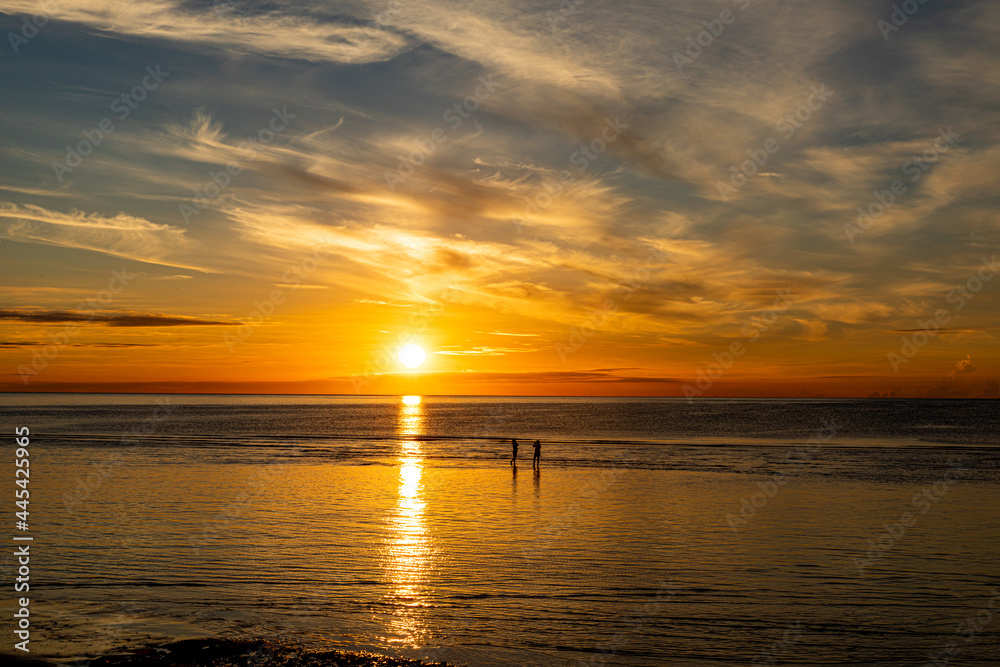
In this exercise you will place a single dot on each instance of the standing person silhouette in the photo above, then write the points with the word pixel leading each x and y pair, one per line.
pixel 536 460
pixel 513 458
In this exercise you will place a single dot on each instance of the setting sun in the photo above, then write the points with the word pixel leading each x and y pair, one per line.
pixel 412 355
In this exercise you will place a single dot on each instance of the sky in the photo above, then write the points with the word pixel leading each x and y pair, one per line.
pixel 691 198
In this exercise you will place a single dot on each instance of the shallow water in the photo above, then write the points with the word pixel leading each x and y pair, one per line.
pixel 374 524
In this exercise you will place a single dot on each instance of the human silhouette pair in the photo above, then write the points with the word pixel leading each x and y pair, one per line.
pixel 535 460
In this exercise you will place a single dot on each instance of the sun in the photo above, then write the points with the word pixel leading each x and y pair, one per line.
pixel 412 355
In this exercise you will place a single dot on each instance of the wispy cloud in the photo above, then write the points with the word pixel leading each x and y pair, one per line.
pixel 29 344
pixel 485 351
pixel 286 29
pixel 596 376
pixel 108 318
pixel 122 235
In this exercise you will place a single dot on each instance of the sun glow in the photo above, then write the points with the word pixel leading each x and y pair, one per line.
pixel 412 355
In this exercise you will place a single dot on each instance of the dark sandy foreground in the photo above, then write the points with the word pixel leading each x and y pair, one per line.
pixel 233 653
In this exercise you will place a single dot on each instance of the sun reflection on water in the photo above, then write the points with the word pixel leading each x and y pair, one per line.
pixel 407 557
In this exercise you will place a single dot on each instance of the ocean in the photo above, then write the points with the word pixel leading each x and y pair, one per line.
pixel 654 531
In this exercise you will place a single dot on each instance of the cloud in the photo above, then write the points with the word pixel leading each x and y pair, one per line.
pixel 123 235
pixel 595 376
pixel 377 302
pixel 286 30
pixel 109 319
pixel 963 366
pixel 941 331
pixel 21 344
pixel 486 351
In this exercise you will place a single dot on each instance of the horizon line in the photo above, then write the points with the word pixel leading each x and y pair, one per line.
pixel 678 398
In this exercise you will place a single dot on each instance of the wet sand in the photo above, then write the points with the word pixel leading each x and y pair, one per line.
pixel 235 653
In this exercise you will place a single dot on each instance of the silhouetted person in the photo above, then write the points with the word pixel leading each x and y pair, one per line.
pixel 536 460
pixel 513 458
